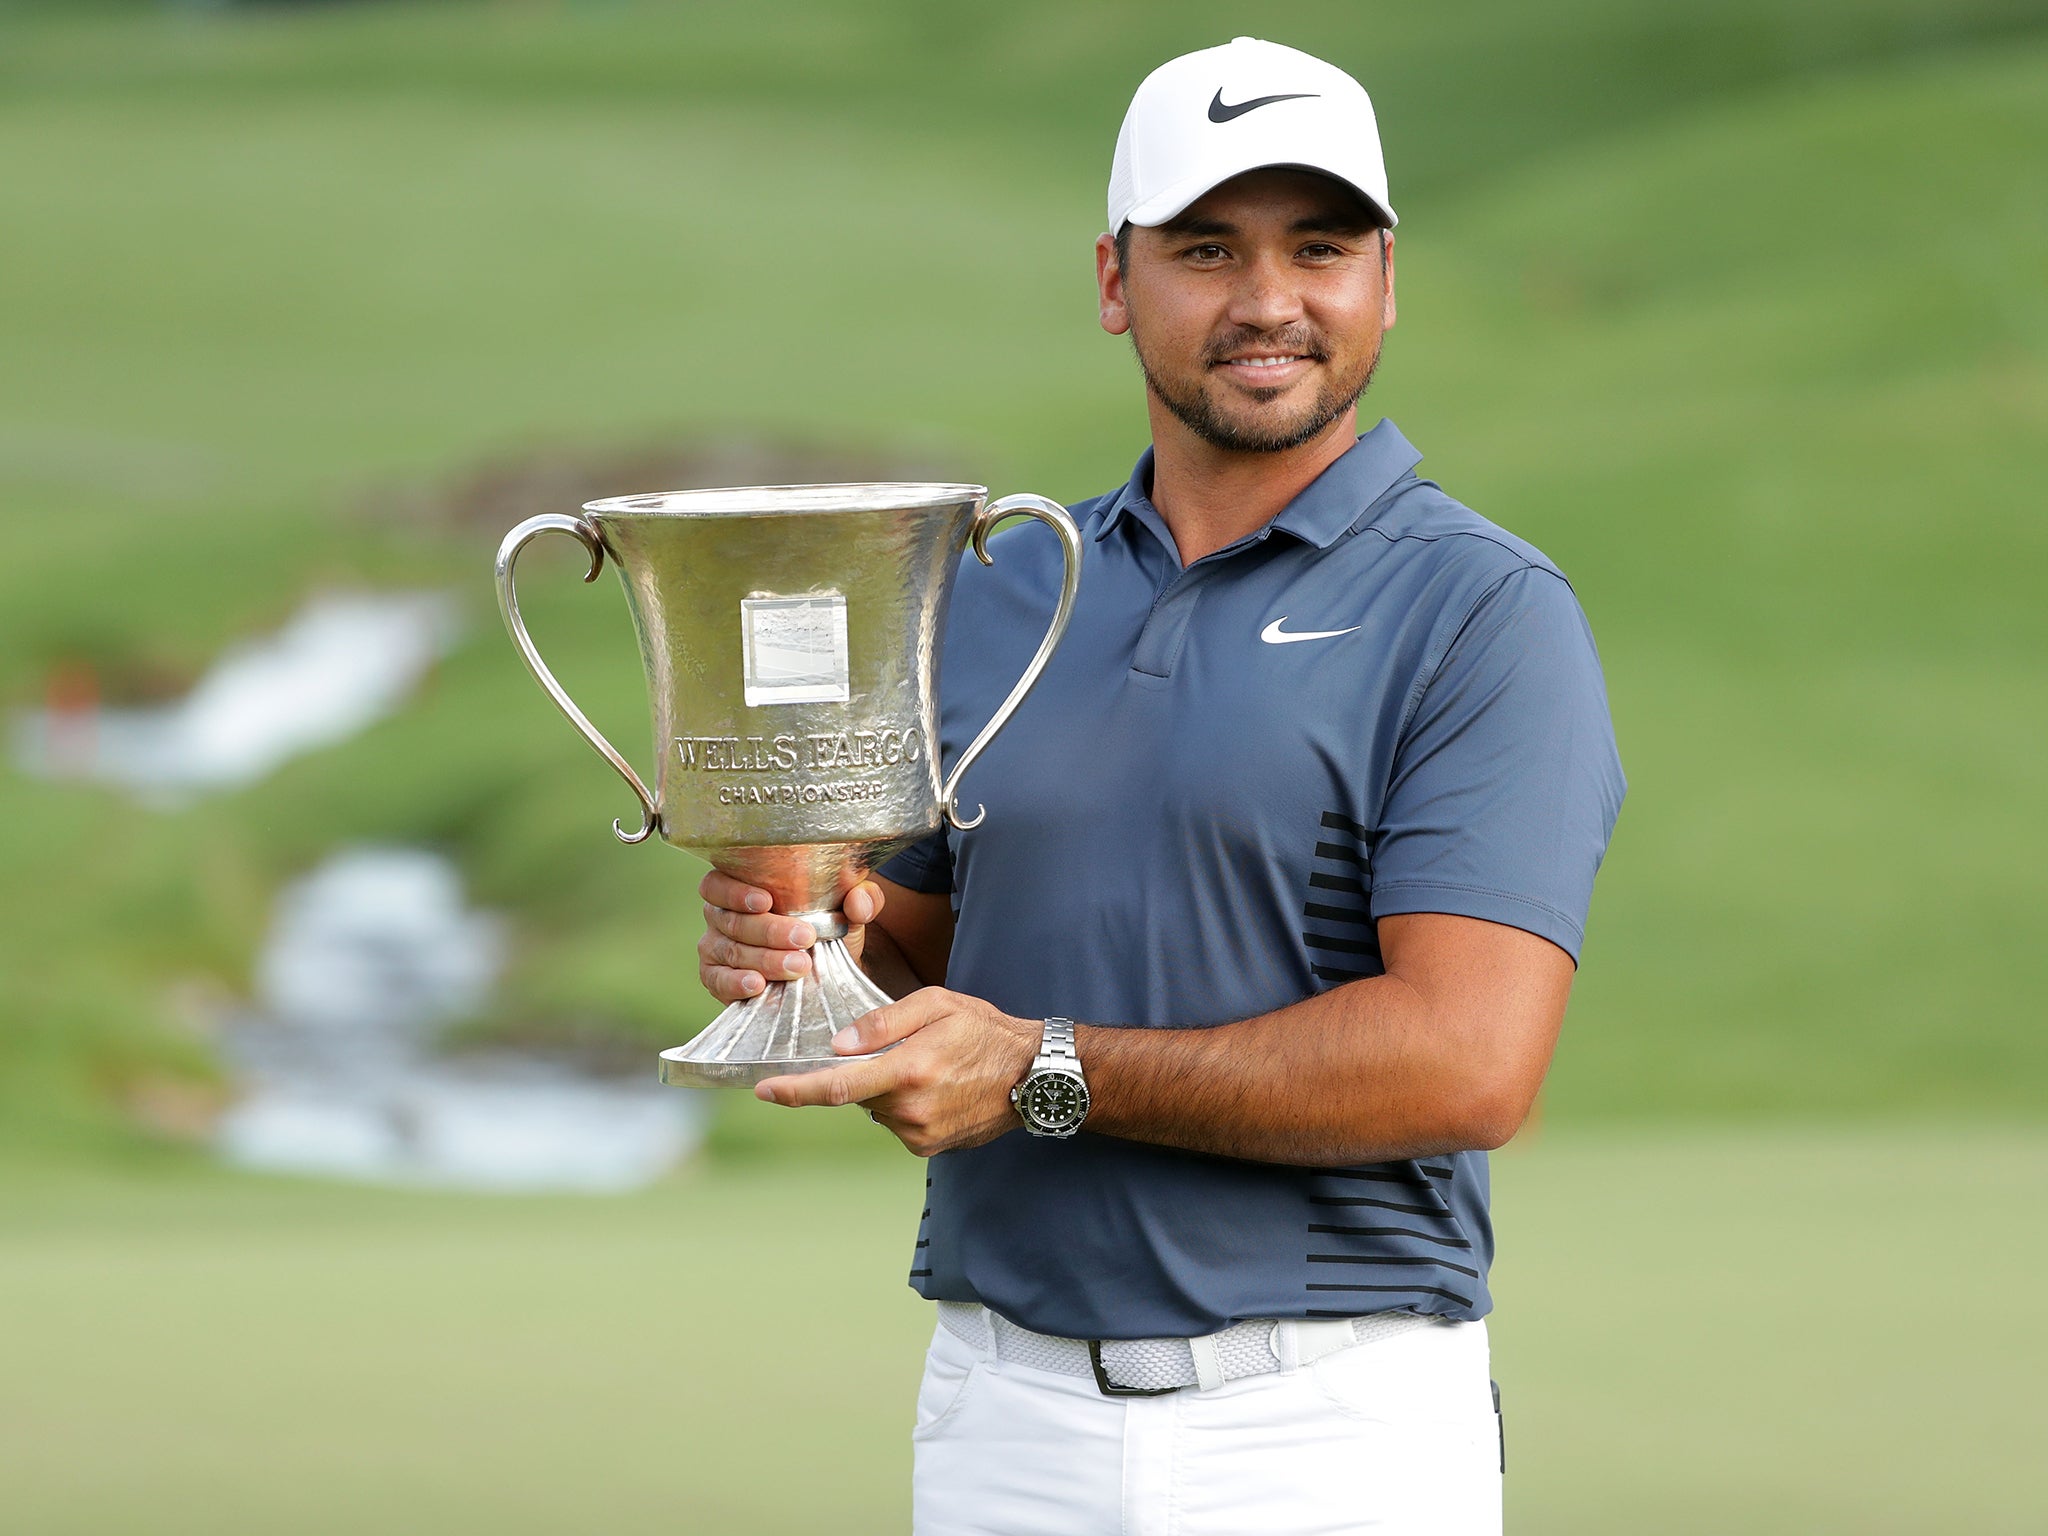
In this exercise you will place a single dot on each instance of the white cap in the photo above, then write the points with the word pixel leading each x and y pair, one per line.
pixel 1205 117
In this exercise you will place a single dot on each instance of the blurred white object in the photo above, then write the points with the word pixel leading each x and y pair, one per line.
pixel 378 942
pixel 343 662
pixel 370 957
pixel 501 1124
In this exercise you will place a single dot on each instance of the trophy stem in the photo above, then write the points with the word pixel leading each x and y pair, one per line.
pixel 788 1028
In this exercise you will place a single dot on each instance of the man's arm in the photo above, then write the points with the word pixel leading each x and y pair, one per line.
pixel 909 936
pixel 1443 1053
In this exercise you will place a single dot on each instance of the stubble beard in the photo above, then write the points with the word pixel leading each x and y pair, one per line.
pixel 1196 411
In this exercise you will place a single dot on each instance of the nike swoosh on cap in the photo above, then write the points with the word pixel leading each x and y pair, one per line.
pixel 1273 634
pixel 1219 113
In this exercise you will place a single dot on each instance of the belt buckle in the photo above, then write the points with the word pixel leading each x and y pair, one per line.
pixel 1109 1388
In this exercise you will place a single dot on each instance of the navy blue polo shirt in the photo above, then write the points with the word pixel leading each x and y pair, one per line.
pixel 1377 703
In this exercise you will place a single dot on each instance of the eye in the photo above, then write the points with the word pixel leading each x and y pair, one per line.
pixel 1207 253
pixel 1320 250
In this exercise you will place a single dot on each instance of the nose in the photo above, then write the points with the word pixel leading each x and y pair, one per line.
pixel 1265 297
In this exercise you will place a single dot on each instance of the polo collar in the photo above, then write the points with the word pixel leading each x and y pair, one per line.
pixel 1328 507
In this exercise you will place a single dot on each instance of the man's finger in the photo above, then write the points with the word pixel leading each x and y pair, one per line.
pixel 765 931
pixel 780 964
pixel 721 890
pixel 850 1084
pixel 731 986
pixel 863 904
pixel 895 1021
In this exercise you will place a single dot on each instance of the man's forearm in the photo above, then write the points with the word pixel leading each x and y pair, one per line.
pixel 1373 1070
pixel 906 942
pixel 1443 1053
pixel 1353 1076
pixel 886 964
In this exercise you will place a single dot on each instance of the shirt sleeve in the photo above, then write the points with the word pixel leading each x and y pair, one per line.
pixel 925 866
pixel 1506 783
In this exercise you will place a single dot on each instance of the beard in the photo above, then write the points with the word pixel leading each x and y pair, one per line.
pixel 1192 406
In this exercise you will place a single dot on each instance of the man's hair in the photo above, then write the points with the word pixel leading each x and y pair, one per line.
pixel 1123 245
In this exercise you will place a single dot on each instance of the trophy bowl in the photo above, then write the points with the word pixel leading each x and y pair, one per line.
pixel 790 636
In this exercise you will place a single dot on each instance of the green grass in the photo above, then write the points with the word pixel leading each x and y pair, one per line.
pixel 1785 1331
pixel 1736 312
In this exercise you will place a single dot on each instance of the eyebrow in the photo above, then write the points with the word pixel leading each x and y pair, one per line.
pixel 1327 221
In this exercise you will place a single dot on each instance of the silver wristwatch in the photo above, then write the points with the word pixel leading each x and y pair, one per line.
pixel 1053 1098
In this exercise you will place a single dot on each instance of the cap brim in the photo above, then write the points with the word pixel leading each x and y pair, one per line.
pixel 1161 206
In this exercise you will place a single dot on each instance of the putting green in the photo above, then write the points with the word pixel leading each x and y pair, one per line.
pixel 1782 1331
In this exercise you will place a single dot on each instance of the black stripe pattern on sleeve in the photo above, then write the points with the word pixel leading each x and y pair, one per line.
pixel 1337 913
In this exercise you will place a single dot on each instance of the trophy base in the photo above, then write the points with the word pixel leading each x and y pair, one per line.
pixel 788 1028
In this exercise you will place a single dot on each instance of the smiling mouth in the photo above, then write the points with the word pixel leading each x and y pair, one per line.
pixel 1265 375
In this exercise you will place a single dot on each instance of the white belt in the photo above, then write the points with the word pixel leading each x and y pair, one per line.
pixel 1146 1367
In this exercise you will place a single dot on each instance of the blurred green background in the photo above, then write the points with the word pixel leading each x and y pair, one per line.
pixel 1738 311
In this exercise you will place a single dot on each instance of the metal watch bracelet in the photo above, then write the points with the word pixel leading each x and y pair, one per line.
pixel 1056 1047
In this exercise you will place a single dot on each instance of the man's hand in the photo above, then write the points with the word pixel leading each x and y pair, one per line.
pixel 944 1084
pixel 745 946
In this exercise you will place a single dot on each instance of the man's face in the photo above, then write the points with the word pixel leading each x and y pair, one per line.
pixel 1257 313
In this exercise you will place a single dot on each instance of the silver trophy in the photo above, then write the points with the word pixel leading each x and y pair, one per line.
pixel 791 639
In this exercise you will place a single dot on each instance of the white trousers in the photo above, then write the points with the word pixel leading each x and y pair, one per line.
pixel 1396 1436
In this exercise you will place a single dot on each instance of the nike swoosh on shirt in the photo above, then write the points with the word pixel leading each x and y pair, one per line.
pixel 1219 113
pixel 1273 634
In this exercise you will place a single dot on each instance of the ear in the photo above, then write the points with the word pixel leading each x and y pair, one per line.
pixel 1387 311
pixel 1111 308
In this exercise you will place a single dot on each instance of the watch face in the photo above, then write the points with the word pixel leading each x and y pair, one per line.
pixel 1054 1101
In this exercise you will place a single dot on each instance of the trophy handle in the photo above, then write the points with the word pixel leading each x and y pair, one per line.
pixel 1055 517
pixel 508 604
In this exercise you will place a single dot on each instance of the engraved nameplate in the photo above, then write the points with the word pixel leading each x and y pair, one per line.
pixel 884 747
pixel 818 760
pixel 795 649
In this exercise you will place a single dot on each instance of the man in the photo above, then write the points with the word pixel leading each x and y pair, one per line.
pixel 1301 825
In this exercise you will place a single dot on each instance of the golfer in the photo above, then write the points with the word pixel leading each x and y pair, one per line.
pixel 1268 933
